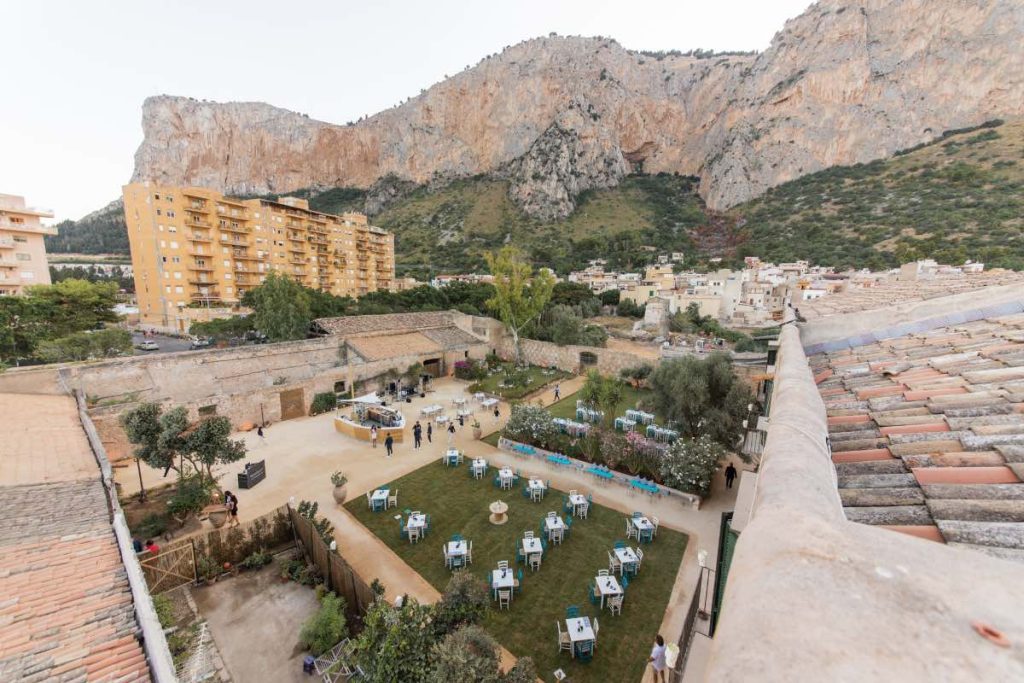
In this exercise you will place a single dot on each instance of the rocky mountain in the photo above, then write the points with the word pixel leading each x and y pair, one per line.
pixel 848 81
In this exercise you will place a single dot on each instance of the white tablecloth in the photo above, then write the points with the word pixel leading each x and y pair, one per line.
pixel 607 586
pixel 532 546
pixel 626 555
pixel 479 464
pixel 553 523
pixel 457 548
pixel 506 581
pixel 537 485
pixel 417 521
pixel 578 500
pixel 380 496
pixel 431 410
pixel 488 402
pixel 579 629
pixel 505 473
pixel 643 524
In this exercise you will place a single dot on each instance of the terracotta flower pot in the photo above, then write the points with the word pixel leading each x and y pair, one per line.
pixel 339 494
pixel 477 432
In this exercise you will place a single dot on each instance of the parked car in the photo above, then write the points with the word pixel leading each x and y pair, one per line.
pixel 200 343
pixel 147 345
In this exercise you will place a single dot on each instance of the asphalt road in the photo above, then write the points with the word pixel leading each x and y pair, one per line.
pixel 167 344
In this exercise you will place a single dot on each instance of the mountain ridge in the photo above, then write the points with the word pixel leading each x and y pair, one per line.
pixel 845 82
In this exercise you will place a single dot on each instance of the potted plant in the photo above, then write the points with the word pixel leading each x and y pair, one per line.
pixel 339 480
pixel 477 432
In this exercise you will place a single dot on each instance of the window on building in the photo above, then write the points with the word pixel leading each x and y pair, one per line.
pixel 178 290
pixel 21 239
pixel 23 257
pixel 170 214
pixel 156 196
pixel 588 358
pixel 207 411
pixel 177 276
pixel 174 245
pixel 175 259
pixel 158 213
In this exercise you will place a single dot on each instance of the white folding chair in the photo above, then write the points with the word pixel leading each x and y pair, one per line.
pixel 503 564
pixel 656 522
pixel 614 605
pixel 602 572
pixel 393 499
pixel 414 534
pixel 630 531
pixel 469 553
pixel 597 627
pixel 613 563
pixel 584 510
pixel 447 557
pixel 369 500
pixel 527 534
pixel 504 597
pixel 639 558
pixel 535 561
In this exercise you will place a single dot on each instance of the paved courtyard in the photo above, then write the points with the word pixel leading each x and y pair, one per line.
pixel 301 454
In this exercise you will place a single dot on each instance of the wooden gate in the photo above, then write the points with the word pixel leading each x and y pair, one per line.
pixel 292 404
pixel 171 567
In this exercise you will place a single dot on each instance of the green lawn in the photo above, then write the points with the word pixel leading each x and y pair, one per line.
pixel 630 397
pixel 537 380
pixel 458 504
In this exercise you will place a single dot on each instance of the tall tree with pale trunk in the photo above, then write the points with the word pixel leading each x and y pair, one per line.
pixel 519 294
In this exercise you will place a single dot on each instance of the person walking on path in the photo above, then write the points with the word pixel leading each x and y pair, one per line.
pixel 417 435
pixel 430 432
pixel 558 393
pixel 231 503
pixel 730 475
pixel 259 433
pixel 497 414
pixel 373 435
pixel 389 444
pixel 451 434
pixel 462 421
pixel 657 659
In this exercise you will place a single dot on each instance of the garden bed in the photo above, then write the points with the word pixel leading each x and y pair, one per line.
pixel 532 379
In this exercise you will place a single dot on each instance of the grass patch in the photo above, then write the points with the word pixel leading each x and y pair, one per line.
pixel 537 381
pixel 458 504
pixel 631 396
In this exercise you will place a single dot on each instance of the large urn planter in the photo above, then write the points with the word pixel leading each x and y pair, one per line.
pixel 339 494
pixel 218 517
pixel 477 433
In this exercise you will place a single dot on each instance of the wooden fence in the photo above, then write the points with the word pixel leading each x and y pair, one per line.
pixel 338 575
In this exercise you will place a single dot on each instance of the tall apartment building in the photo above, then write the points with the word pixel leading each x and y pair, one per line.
pixel 195 252
pixel 22 252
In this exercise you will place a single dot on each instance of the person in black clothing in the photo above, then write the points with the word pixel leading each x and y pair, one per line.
pixel 451 433
pixel 417 435
pixel 389 444
pixel 137 546
pixel 462 421
pixel 730 475
pixel 430 432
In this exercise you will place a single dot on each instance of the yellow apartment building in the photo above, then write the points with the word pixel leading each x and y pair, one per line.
pixel 22 252
pixel 195 252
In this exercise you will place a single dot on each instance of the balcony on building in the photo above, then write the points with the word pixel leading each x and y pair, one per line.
pixel 200 237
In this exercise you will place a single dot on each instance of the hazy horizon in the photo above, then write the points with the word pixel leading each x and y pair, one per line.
pixel 83 73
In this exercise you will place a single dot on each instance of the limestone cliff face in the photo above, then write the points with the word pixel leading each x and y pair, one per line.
pixel 847 81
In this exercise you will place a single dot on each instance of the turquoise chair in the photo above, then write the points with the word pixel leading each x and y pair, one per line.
pixel 620 544
pixel 585 651
pixel 572 611
pixel 519 576
pixel 590 594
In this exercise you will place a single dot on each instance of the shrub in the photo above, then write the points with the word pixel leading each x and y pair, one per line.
pixel 338 479
pixel 323 403
pixel 322 525
pixel 464 602
pixel 256 559
pixel 470 370
pixel 530 424
pixel 690 463
pixel 192 494
pixel 492 360
pixel 469 654
pixel 628 309
pixel 164 610
pixel 152 525
pixel 207 568
pixel 524 671
pixel 396 644
pixel 324 629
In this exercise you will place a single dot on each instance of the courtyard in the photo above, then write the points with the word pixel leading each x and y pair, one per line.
pixel 458 504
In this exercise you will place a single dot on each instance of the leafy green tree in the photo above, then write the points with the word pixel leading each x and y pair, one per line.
pixel 142 427
pixel 223 328
pixel 604 393
pixel 77 305
pixel 524 671
pixel 208 443
pixel 85 345
pixel 396 643
pixel 637 374
pixel 702 397
pixel 468 654
pixel 281 308
pixel 609 297
pixel 519 295
pixel 463 603
pixel 627 309
pixel 327 627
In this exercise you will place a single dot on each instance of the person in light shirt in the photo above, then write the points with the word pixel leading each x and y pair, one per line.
pixel 657 659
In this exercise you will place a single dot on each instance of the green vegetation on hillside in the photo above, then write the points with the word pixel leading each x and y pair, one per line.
pixel 960 197
pixel 101 232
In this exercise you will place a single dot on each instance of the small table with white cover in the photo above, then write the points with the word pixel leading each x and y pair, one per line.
pixel 458 402
pixel 578 502
pixel 532 546
pixel 505 476
pixel 553 524
pixel 626 556
pixel 537 488
pixel 457 549
pixel 607 586
pixel 644 527
pixel 451 456
pixel 479 467
pixel 427 411
pixel 580 631
pixel 502 578
pixel 489 402
pixel 379 499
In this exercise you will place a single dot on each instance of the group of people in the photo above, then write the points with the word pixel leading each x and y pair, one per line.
pixel 417 433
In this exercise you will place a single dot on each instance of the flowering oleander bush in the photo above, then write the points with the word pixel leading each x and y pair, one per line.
pixel 689 464
pixel 470 370
pixel 530 423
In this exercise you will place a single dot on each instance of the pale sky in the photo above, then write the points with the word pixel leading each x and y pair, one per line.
pixel 75 73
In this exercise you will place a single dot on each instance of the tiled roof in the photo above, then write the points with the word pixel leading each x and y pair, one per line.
pixel 66 611
pixel 901 291
pixel 347 325
pixel 927 433
pixel 392 345
pixel 452 337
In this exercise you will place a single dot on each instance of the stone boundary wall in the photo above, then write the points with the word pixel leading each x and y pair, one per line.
pixel 548 354
pixel 688 499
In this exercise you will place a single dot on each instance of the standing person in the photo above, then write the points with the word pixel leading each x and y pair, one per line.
pixel 497 414
pixel 259 433
pixel 558 392
pixel 657 659
pixel 231 503
pixel 389 444
pixel 417 435
pixel 462 421
pixel 373 435
pixel 137 545
pixel 451 433
pixel 430 432
pixel 730 475
pixel 152 547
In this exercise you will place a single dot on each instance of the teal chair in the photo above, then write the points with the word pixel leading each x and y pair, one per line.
pixel 620 544
pixel 572 612
pixel 519 578
pixel 585 651
pixel 590 593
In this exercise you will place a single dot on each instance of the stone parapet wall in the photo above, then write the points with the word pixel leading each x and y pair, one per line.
pixel 568 358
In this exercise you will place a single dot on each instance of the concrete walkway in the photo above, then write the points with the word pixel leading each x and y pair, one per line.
pixel 301 454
